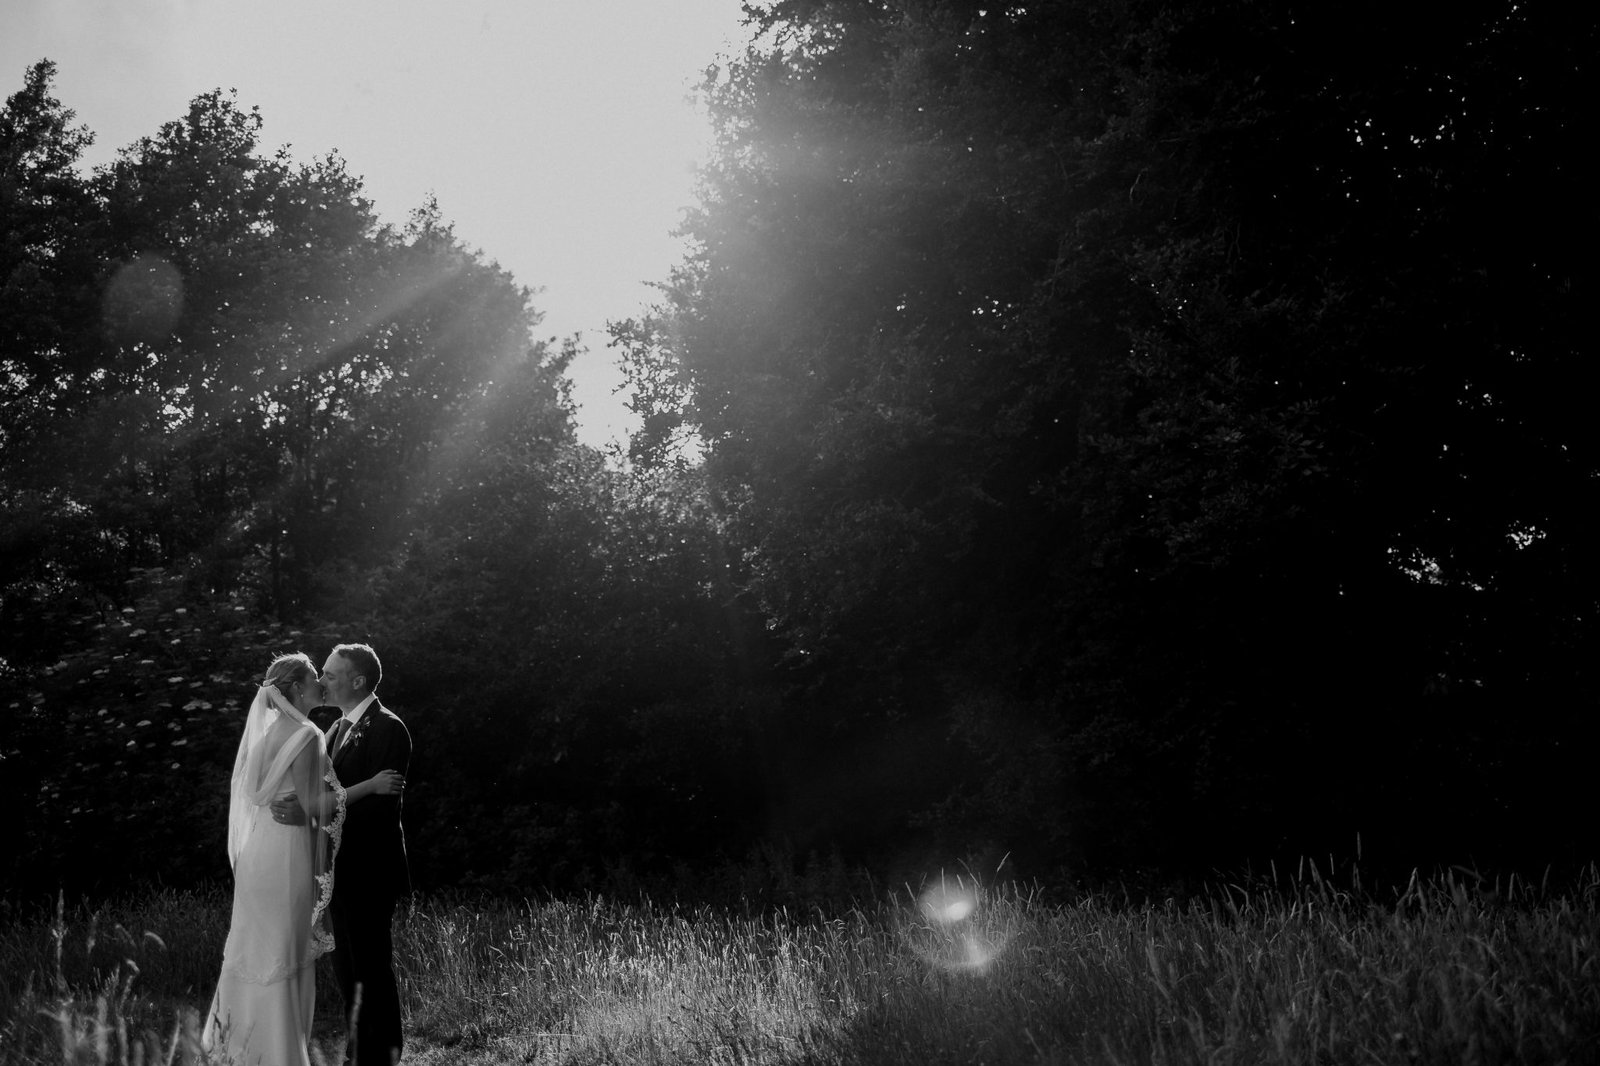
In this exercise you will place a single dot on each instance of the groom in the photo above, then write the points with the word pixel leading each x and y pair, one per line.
pixel 370 873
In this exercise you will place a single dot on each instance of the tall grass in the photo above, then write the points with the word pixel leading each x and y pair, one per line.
pixel 1448 970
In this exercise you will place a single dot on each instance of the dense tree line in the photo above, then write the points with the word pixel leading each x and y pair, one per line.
pixel 1178 410
pixel 1117 434
pixel 243 416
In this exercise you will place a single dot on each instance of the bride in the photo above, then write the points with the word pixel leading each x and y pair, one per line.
pixel 282 874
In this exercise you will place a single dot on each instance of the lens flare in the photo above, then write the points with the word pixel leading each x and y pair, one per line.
pixel 142 301
pixel 948 904
pixel 956 939
pixel 976 952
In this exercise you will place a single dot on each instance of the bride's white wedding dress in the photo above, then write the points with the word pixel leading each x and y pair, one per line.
pixel 261 1015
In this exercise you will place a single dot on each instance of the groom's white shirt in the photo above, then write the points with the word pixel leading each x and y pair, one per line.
pixel 353 715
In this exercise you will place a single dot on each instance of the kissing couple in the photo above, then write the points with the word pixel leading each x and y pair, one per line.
pixel 318 865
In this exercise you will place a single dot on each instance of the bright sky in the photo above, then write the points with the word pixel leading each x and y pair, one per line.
pixel 557 134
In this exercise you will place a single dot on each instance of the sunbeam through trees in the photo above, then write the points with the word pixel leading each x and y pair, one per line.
pixel 1137 439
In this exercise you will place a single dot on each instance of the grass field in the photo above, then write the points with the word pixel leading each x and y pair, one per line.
pixel 1449 970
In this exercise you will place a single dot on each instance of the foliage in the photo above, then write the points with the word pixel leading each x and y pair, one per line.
pixel 1161 391
pixel 281 409
pixel 46 210
pixel 564 639
pixel 1124 435
pixel 264 372
pixel 350 428
pixel 117 753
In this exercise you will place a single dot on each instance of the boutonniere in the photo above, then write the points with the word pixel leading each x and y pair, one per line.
pixel 358 731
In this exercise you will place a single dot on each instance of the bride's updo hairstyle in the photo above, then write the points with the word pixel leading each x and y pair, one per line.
pixel 286 670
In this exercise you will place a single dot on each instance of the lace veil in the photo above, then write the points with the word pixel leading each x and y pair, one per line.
pixel 283 751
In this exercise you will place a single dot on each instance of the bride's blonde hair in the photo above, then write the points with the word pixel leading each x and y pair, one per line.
pixel 288 669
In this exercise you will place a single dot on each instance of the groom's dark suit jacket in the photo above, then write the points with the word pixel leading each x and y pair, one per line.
pixel 372 849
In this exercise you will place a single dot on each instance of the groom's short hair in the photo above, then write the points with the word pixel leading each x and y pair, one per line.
pixel 365 660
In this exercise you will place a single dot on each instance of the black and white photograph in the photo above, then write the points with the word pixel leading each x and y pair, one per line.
pixel 799 533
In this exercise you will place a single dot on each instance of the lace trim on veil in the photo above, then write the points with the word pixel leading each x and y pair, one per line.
pixel 321 935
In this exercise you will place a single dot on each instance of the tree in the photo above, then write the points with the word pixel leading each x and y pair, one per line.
pixel 46 298
pixel 45 206
pixel 266 371
pixel 287 410
pixel 1094 363
pixel 560 630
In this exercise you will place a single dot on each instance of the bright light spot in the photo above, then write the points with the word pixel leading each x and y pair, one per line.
pixel 142 301
pixel 1524 535
pixel 1416 566
pixel 948 904
pixel 978 954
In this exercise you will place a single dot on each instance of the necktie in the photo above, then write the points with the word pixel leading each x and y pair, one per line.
pixel 338 736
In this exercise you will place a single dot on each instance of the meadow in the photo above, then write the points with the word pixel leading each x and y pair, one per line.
pixel 1445 969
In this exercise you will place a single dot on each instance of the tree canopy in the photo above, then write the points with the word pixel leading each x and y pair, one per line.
pixel 244 415
pixel 1176 406
pixel 1127 436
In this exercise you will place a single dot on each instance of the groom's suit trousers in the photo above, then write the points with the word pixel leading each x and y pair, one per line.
pixel 364 946
pixel 370 874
